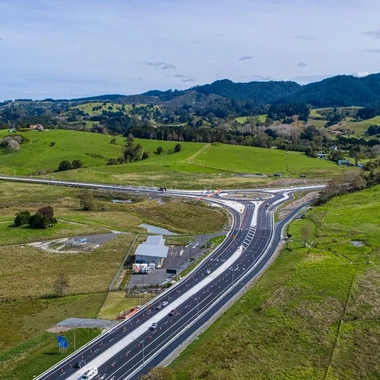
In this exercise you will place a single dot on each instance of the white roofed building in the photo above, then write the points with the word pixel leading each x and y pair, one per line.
pixel 153 250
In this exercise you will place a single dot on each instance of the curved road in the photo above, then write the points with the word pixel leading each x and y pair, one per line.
pixel 132 348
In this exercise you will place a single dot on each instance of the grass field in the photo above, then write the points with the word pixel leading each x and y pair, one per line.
pixel 241 159
pixel 116 302
pixel 243 119
pixel 195 166
pixel 28 306
pixel 21 362
pixel 312 315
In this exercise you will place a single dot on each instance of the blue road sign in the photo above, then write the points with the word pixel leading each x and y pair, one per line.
pixel 62 341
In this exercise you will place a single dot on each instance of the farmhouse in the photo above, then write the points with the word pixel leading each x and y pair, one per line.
pixel 153 250
pixel 36 127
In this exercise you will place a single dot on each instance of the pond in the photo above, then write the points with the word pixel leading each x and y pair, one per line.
pixel 156 230
pixel 357 243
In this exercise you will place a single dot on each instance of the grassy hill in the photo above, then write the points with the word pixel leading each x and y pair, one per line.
pixel 196 165
pixel 313 315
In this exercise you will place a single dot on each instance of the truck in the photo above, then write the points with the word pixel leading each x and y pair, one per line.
pixel 90 374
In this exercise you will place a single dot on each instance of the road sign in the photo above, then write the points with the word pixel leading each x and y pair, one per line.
pixel 63 342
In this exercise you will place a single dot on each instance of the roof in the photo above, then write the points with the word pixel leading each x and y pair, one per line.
pixel 154 246
pixel 151 250
pixel 157 240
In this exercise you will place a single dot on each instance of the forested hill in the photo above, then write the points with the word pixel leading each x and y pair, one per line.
pixel 340 91
pixel 258 92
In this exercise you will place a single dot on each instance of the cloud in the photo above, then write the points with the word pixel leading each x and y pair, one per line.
pixel 184 78
pixel 245 57
pixel 305 38
pixel 302 38
pixel 158 65
pixel 1 39
pixel 261 77
pixel 373 51
pixel 360 74
pixel 374 34
pixel 302 64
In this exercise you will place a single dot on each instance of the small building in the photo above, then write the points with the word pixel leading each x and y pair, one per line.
pixel 321 155
pixel 153 250
pixel 36 127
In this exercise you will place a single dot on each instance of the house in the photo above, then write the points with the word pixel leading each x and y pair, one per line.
pixel 321 155
pixel 153 250
pixel 36 127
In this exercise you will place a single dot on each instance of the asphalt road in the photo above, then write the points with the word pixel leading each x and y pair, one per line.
pixel 132 348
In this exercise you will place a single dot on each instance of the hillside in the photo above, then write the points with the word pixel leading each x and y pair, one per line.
pixel 340 91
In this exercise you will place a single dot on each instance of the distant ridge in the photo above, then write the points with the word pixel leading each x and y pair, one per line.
pixel 339 91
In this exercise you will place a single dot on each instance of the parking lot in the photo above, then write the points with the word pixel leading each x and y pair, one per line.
pixel 179 258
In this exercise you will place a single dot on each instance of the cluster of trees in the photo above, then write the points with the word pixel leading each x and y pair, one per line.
pixel 132 152
pixel 367 113
pixel 349 182
pixel 42 219
pixel 373 130
pixel 285 112
pixel 67 165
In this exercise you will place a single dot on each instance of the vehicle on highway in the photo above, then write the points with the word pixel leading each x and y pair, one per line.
pixel 90 374
pixel 159 306
pixel 153 326
pixel 164 303
pixel 80 364
pixel 173 312
pixel 207 271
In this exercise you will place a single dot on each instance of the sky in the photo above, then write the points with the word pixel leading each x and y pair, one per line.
pixel 76 48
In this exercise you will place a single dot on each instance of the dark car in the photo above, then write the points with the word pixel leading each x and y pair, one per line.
pixel 80 364
pixel 173 312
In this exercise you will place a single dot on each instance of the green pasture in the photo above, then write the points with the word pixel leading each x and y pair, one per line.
pixel 360 127
pixel 93 149
pixel 240 159
pixel 313 314
pixel 244 119
pixel 196 166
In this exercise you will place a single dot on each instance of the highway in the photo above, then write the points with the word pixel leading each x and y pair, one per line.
pixel 132 348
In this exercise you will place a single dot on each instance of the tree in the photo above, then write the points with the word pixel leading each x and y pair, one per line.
pixel 61 285
pixel 39 221
pixel 52 144
pixel 77 164
pixel 47 211
pixel 21 218
pixel 305 233
pixel 64 165
pixel 159 373
pixel 178 148
pixel 113 141
pixel 86 200
pixel 159 150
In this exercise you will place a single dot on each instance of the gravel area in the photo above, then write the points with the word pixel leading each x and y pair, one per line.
pixel 70 323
